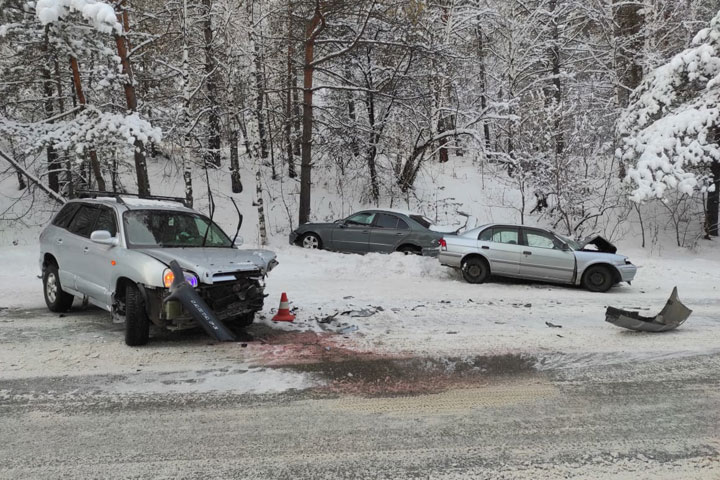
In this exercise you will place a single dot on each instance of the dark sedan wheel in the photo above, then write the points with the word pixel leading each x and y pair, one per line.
pixel 56 299
pixel 475 270
pixel 311 241
pixel 410 250
pixel 597 279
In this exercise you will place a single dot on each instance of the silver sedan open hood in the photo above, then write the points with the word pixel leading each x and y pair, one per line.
pixel 596 243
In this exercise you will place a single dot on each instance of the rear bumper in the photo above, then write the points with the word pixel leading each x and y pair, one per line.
pixel 431 251
pixel 627 272
pixel 450 259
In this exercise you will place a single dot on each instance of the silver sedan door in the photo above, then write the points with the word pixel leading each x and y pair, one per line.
pixel 501 246
pixel 543 258
pixel 353 235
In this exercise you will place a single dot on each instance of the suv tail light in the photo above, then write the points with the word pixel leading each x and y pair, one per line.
pixel 443 244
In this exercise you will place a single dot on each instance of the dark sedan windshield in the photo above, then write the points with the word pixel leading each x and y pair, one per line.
pixel 167 228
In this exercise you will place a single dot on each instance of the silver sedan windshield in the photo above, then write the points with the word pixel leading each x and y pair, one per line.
pixel 572 243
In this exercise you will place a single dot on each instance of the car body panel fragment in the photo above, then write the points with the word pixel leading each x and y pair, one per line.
pixel 673 314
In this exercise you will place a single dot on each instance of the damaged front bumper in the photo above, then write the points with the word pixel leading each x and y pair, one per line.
pixel 673 314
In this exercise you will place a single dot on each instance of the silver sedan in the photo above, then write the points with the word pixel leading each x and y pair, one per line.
pixel 535 254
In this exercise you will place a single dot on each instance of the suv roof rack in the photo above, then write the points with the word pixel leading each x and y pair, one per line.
pixel 118 196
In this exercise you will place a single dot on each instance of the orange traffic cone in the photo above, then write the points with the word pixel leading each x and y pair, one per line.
pixel 283 314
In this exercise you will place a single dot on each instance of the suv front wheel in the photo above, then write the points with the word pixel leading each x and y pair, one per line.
pixel 137 323
pixel 56 299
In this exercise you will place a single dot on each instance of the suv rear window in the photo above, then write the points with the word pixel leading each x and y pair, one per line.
pixel 65 215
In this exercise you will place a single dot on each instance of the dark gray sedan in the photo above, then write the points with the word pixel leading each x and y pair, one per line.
pixel 383 231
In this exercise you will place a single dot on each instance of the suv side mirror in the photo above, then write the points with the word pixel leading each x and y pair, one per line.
pixel 103 237
pixel 564 247
pixel 238 241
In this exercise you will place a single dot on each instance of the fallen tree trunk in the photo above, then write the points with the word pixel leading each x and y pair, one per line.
pixel 33 179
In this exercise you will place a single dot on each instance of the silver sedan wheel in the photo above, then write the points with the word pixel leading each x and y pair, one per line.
pixel 311 241
pixel 51 287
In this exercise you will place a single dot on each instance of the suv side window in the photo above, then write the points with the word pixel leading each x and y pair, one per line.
pixel 402 224
pixel 106 221
pixel 386 221
pixel 65 215
pixel 83 221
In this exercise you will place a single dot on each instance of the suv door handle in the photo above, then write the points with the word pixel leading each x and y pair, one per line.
pixel 59 241
pixel 527 253
pixel 485 247
pixel 399 233
pixel 86 249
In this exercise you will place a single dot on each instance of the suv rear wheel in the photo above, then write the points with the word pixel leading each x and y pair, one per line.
pixel 137 323
pixel 56 299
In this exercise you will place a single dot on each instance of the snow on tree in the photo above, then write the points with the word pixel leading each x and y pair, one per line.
pixel 671 130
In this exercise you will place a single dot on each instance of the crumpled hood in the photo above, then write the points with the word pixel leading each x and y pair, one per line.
pixel 206 262
pixel 597 244
pixel 444 229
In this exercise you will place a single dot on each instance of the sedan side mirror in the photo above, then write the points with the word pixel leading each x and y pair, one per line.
pixel 103 237
pixel 238 241
pixel 564 247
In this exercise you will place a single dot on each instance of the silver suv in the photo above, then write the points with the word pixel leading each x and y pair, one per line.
pixel 116 252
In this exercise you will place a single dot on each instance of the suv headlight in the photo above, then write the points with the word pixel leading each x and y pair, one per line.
pixel 169 276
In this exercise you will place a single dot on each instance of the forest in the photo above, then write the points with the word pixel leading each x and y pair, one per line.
pixel 591 112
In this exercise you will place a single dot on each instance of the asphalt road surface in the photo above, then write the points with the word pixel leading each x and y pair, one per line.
pixel 76 403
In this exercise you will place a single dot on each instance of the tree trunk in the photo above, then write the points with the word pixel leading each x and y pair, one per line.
pixel 259 103
pixel 33 179
pixel 713 202
pixel 557 86
pixel 628 44
pixel 131 100
pixel 483 86
pixel 307 121
pixel 53 166
pixel 372 148
pixel 288 99
pixel 236 184
pixel 185 140
pixel 94 163
pixel 211 86
pixel 262 230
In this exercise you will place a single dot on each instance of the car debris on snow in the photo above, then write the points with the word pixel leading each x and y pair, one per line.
pixel 673 314
pixel 552 325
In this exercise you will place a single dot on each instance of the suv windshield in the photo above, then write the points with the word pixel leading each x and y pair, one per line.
pixel 167 228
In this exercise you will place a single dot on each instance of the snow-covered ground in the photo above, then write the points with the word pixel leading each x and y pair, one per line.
pixel 415 306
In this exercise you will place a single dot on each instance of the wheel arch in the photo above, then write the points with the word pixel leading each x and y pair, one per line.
pixel 408 245
pixel 49 259
pixel 600 263
pixel 476 255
